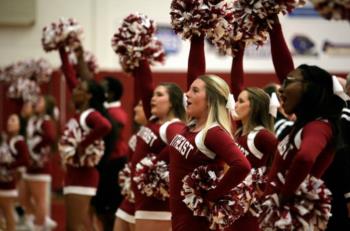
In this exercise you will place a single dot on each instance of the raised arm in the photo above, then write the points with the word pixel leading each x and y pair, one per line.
pixel 68 70
pixel 144 79
pixel 196 59
pixel 281 56
pixel 237 72
pixel 82 68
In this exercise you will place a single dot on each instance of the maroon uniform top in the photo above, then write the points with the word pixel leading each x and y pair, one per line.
pixel 96 127
pixel 258 145
pixel 41 135
pixel 310 152
pixel 13 153
pixel 187 152
pixel 120 116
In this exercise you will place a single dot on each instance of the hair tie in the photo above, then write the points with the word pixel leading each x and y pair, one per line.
pixel 230 105
pixel 274 105
pixel 338 89
pixel 184 100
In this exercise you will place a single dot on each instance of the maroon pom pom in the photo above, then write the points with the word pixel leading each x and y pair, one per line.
pixel 333 9
pixel 124 180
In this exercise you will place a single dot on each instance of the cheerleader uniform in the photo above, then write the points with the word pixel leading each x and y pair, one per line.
pixel 41 135
pixel 126 210
pixel 187 152
pixel 82 178
pixel 13 154
pixel 108 198
pixel 310 153
pixel 258 146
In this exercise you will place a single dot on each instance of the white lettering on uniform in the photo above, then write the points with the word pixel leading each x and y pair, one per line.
pixel 147 135
pixel 182 145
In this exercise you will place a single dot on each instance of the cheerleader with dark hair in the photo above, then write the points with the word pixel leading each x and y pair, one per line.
pixel 82 146
pixel 305 154
pixel 13 154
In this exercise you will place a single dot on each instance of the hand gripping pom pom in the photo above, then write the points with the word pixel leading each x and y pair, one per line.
pixel 135 40
pixel 65 32
pixel 72 136
pixel 333 9
pixel 89 58
pixel 309 208
pixel 222 213
pixel 152 177
pixel 124 180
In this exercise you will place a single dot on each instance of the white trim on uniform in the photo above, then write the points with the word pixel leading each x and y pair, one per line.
pixel 13 142
pixel 347 195
pixel 80 190
pixel 112 104
pixel 125 216
pixel 82 119
pixel 37 177
pixel 250 142
pixel 153 215
pixel 199 140
pixel 164 127
pixel 9 193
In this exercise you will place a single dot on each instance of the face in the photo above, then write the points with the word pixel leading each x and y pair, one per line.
pixel 40 105
pixel 160 103
pixel 81 94
pixel 139 116
pixel 291 91
pixel 27 110
pixel 13 124
pixel 197 104
pixel 242 107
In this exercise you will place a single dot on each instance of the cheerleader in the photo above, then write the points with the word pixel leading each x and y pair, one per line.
pixel 13 154
pixel 165 103
pixel 125 215
pixel 305 154
pixel 108 198
pixel 207 141
pixel 81 156
pixel 41 136
pixel 255 138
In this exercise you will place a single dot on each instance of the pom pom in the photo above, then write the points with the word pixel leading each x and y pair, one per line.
pixel 124 180
pixel 89 58
pixel 65 32
pixel 152 177
pixel 72 136
pixel 333 9
pixel 135 40
pixel 24 77
pixel 222 213
pixel 309 208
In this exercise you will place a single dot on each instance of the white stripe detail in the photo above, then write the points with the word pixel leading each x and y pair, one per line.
pixel 37 177
pixel 152 215
pixel 346 110
pixel 199 140
pixel 80 190
pixel 112 104
pixel 347 195
pixel 164 127
pixel 9 193
pixel 346 117
pixel 125 216
pixel 82 119
pixel 250 142
pixel 282 126
pixel 297 139
pixel 13 142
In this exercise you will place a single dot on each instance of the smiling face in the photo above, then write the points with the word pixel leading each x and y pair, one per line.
pixel 242 107
pixel 160 103
pixel 197 104
pixel 292 91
